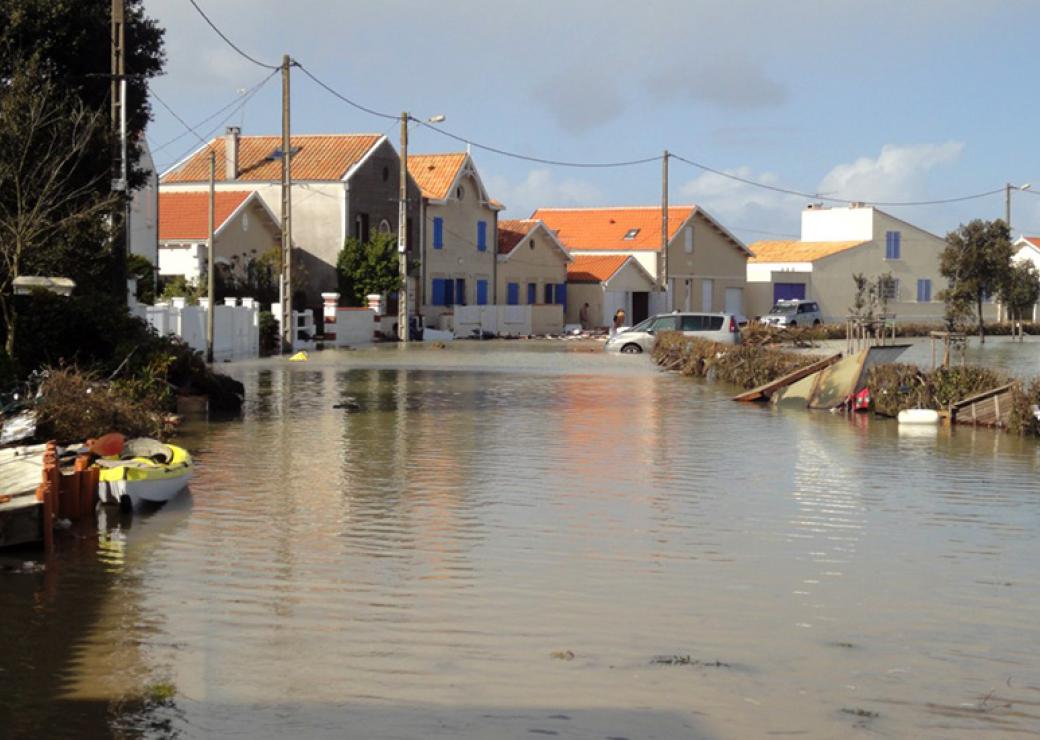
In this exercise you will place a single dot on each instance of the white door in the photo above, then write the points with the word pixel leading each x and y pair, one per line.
pixel 735 301
pixel 707 289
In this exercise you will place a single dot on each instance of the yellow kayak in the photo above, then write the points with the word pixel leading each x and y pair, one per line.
pixel 147 470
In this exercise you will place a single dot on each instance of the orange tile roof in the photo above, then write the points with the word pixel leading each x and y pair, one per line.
pixel 588 268
pixel 435 173
pixel 605 228
pixel 1034 240
pixel 186 215
pixel 797 251
pixel 317 157
pixel 512 231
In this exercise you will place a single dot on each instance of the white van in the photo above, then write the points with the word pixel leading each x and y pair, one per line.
pixel 715 327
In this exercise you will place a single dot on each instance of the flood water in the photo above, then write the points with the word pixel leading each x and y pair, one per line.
pixel 498 540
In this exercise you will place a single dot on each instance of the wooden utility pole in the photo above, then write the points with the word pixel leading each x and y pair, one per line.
pixel 285 282
pixel 120 169
pixel 402 236
pixel 663 263
pixel 210 262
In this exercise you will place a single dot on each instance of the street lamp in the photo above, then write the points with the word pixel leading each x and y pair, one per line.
pixel 402 227
pixel 1007 202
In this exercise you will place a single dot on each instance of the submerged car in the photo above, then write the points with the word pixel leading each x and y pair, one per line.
pixel 716 327
pixel 794 313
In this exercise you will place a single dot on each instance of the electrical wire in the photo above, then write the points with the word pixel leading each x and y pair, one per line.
pixel 343 97
pixel 228 41
pixel 831 199
pixel 204 121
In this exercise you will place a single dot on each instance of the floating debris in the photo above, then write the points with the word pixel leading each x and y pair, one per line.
pixel 562 654
pixel 861 713
pixel 687 660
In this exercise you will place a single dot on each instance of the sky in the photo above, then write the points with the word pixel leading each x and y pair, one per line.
pixel 876 101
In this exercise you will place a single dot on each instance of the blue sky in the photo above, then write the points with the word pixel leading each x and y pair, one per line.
pixel 877 101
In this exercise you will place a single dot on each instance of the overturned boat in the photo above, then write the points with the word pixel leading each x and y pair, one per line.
pixel 146 470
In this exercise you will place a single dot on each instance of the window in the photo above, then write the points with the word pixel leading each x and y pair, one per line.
pixel 688 236
pixel 386 174
pixel 924 291
pixel 460 192
pixel 438 233
pixel 361 232
pixel 449 292
pixel 532 293
pixel 482 236
pixel 892 244
pixel 438 293
pixel 384 227
pixel 460 292
pixel 890 289
pixel 561 294
pixel 513 294
pixel 666 323
pixel 692 323
pixel 482 296
pixel 548 290
pixel 631 234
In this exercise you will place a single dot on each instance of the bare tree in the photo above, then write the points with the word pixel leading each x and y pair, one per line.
pixel 47 139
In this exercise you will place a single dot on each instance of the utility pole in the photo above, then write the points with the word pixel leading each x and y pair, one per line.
pixel 210 263
pixel 663 264
pixel 285 281
pixel 120 173
pixel 402 236
pixel 1007 206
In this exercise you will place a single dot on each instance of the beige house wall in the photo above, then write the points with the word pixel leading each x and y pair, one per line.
pixel 459 258
pixel 708 256
pixel 534 260
pixel 578 294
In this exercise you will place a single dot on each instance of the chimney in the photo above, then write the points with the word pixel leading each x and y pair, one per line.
pixel 231 152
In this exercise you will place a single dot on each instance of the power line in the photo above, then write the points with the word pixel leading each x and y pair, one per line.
pixel 207 119
pixel 228 41
pixel 344 98
pixel 817 196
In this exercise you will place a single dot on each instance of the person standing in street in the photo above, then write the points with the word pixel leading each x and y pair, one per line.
pixel 584 316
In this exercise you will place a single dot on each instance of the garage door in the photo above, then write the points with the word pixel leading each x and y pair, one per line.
pixel 788 292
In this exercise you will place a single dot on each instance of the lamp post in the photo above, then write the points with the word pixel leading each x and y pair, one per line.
pixel 403 332
pixel 1007 202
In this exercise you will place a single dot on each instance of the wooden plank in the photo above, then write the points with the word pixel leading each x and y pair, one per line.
pixel 981 396
pixel 764 391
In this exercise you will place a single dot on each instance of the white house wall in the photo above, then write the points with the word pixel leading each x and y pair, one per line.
pixel 837 224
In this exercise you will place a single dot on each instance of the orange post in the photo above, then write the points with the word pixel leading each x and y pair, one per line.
pixel 48 492
pixel 84 479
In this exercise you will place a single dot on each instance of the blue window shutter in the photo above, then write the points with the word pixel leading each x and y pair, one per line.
pixel 438 292
pixel 920 291
pixel 438 233
pixel 449 292
pixel 896 238
pixel 460 291
pixel 532 293
pixel 513 294
pixel 482 236
pixel 928 290
pixel 561 294
pixel 482 292
pixel 548 293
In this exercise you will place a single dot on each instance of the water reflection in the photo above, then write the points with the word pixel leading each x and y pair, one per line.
pixel 409 563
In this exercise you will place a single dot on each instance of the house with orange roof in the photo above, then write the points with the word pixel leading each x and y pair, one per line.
pixel 532 271
pixel 837 243
pixel 343 185
pixel 607 282
pixel 706 265
pixel 244 229
pixel 457 234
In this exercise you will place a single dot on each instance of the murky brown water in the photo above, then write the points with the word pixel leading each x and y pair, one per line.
pixel 408 568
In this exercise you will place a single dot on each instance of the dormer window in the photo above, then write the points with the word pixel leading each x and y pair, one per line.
pixel 631 234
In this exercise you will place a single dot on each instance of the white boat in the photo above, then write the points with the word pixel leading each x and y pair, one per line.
pixel 147 470
pixel 918 416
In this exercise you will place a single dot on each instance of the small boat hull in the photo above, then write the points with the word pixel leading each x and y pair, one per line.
pixel 141 479
pixel 918 416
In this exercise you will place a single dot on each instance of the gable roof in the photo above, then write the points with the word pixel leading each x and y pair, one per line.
pixel 511 232
pixel 587 268
pixel 798 251
pixel 1032 241
pixel 186 215
pixel 436 173
pixel 605 228
pixel 316 157
pixel 596 229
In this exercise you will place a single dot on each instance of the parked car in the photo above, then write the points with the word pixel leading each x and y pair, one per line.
pixel 794 313
pixel 717 327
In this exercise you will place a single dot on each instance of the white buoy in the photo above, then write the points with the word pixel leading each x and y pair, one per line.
pixel 918 416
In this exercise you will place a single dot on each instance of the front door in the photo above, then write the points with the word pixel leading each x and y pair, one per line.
pixel 640 307
pixel 707 294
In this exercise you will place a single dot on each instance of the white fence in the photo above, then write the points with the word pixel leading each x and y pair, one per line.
pixel 236 329
pixel 506 321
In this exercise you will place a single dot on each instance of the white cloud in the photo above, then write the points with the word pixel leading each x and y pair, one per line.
pixel 741 207
pixel 897 173
pixel 539 189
